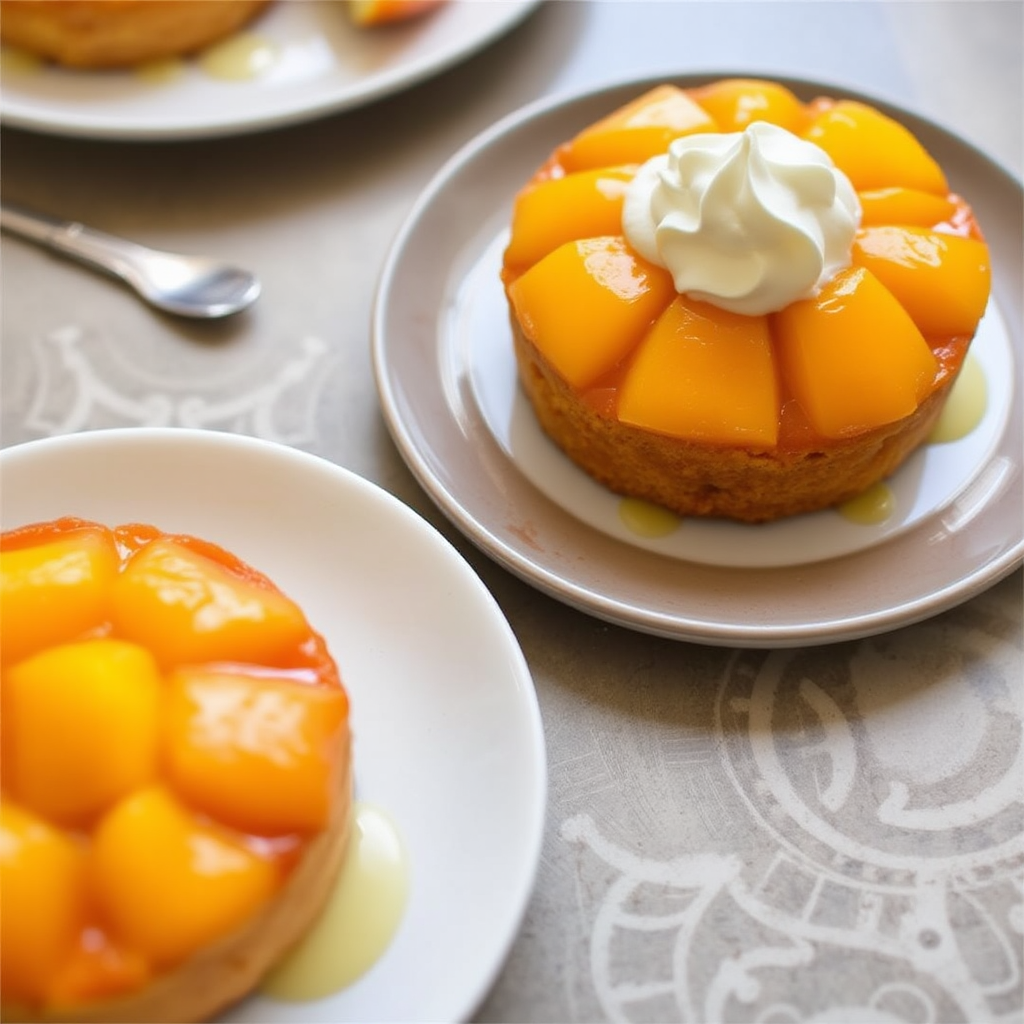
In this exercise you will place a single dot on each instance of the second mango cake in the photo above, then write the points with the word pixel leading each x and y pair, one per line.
pixel 177 774
pixel 734 303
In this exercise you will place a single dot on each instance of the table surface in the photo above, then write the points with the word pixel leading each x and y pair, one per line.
pixel 822 833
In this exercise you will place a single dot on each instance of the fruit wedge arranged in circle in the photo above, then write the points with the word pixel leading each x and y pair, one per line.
pixel 175 736
pixel 865 352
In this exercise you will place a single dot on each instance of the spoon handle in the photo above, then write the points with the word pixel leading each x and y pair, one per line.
pixel 114 255
pixel 193 286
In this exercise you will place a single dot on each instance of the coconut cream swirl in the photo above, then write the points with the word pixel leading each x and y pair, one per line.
pixel 749 221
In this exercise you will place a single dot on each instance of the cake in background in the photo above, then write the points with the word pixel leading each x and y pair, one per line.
pixel 99 34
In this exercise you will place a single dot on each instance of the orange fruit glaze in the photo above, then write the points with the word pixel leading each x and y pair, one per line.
pixel 865 352
pixel 173 730
pixel 370 13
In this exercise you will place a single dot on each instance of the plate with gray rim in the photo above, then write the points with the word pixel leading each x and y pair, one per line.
pixel 435 313
pixel 313 62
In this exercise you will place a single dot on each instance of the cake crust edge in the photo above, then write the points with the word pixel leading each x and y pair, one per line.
pixel 96 34
pixel 696 479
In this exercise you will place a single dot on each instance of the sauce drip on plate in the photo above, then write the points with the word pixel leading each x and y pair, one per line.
pixel 875 505
pixel 646 519
pixel 965 407
pixel 360 918
pixel 242 57
pixel 160 72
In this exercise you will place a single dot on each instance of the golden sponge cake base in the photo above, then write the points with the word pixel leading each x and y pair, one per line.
pixel 695 479
pixel 119 33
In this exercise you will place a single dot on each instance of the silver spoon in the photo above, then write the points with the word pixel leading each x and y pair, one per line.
pixel 194 286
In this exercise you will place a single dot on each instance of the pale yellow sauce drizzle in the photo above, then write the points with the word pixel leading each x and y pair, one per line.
pixel 874 506
pixel 244 56
pixel 964 410
pixel 18 62
pixel 159 72
pixel 646 519
pixel 965 406
pixel 360 918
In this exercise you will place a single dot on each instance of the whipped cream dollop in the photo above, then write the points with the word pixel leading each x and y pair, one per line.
pixel 749 221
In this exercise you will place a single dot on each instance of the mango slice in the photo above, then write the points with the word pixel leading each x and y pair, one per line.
pixel 98 968
pixel 170 883
pixel 54 591
pixel 735 103
pixel 905 206
pixel 873 150
pixel 941 280
pixel 637 131
pixel 704 374
pixel 148 809
pixel 81 727
pixel 43 881
pixel 257 752
pixel 852 357
pixel 588 303
pixel 374 13
pixel 566 209
pixel 188 608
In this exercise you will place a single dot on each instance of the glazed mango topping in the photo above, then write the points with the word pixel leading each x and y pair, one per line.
pixel 56 590
pixel 374 13
pixel 169 882
pixel 252 749
pixel 173 734
pixel 863 353
pixel 188 608
pixel 704 372
pixel 81 727
pixel 636 132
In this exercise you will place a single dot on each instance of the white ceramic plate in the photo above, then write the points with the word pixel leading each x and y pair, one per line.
pixel 447 730
pixel 317 64
pixel 447 384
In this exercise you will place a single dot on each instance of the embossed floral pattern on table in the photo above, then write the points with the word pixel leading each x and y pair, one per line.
pixel 871 813
pixel 76 388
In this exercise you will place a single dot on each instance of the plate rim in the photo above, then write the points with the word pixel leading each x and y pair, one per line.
pixel 521 687
pixel 524 563
pixel 344 96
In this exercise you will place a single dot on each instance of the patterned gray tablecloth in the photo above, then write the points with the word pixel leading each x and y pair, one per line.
pixel 822 834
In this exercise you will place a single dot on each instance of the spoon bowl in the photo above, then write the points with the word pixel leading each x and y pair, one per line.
pixel 193 286
pixel 199 287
